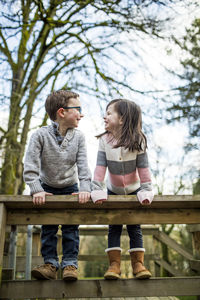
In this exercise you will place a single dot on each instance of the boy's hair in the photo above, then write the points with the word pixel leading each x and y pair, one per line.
pixel 130 136
pixel 56 100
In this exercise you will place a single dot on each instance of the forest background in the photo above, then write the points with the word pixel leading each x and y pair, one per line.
pixel 146 51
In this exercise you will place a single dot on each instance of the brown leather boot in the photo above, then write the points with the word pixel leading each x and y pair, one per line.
pixel 46 271
pixel 113 271
pixel 70 273
pixel 137 261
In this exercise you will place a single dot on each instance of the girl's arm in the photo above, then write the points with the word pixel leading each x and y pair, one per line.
pixel 98 194
pixel 145 195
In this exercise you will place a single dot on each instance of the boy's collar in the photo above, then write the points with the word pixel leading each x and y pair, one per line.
pixel 69 134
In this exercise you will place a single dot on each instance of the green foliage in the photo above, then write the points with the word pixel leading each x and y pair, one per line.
pixel 196 187
pixel 189 106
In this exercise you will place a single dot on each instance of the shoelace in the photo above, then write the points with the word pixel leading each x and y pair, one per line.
pixel 70 268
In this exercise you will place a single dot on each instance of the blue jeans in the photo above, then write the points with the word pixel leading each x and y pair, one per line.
pixel 134 232
pixel 70 236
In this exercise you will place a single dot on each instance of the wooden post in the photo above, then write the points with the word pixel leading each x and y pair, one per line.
pixel 13 249
pixel 28 252
pixel 2 235
pixel 195 230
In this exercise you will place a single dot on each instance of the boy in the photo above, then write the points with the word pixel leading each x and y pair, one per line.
pixel 55 159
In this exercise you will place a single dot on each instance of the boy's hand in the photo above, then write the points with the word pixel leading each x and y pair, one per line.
pixel 83 197
pixel 39 198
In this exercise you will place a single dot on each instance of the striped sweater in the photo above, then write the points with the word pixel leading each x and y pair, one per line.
pixel 127 171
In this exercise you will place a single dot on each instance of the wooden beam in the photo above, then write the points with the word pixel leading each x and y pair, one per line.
pixel 195 265
pixel 121 209
pixel 114 201
pixel 144 215
pixel 98 231
pixel 169 268
pixel 2 235
pixel 164 238
pixel 59 289
pixel 38 260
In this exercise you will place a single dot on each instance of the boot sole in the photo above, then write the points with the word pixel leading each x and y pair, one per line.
pixel 70 278
pixel 143 275
pixel 36 274
pixel 111 276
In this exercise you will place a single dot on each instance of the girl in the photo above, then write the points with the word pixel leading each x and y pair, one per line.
pixel 122 149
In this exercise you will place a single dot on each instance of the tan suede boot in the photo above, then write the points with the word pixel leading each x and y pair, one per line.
pixel 46 271
pixel 113 271
pixel 137 261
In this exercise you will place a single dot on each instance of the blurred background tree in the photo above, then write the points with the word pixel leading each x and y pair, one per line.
pixel 67 44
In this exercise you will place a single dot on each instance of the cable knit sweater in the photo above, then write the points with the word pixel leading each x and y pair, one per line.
pixel 56 165
pixel 127 171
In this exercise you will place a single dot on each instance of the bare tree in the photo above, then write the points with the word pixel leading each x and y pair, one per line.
pixel 61 44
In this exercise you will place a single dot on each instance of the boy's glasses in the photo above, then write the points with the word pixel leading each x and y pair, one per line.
pixel 77 107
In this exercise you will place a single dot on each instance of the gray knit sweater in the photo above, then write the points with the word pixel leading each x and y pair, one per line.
pixel 57 166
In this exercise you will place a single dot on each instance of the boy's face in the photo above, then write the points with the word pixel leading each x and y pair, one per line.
pixel 73 115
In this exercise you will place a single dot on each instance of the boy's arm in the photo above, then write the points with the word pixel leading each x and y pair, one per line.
pixel 32 164
pixel 145 195
pixel 84 173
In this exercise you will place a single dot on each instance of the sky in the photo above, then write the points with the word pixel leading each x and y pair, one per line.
pixel 171 138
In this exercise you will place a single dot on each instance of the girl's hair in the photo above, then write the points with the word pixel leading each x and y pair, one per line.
pixel 130 136
pixel 56 100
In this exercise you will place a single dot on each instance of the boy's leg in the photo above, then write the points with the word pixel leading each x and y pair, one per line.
pixel 70 245
pixel 49 253
pixel 49 244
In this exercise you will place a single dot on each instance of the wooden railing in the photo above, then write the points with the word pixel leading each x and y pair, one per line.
pixel 19 210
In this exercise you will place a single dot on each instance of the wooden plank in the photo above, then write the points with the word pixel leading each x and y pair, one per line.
pixel 59 289
pixel 7 274
pixel 195 265
pixel 194 228
pixel 116 201
pixel 169 268
pixel 164 238
pixel 98 231
pixel 141 215
pixel 2 235
pixel 38 260
pixel 85 231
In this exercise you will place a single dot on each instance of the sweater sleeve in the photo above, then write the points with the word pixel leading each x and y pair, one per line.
pixel 32 163
pixel 84 173
pixel 142 165
pixel 99 174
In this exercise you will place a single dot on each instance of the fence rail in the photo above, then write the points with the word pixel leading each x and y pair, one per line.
pixel 19 210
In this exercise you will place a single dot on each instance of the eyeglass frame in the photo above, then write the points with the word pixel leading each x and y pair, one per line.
pixel 77 107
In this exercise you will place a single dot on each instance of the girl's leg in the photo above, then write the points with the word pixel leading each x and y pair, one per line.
pixel 137 252
pixel 114 235
pixel 135 235
pixel 114 252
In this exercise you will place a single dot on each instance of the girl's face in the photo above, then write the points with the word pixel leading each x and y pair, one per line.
pixel 112 120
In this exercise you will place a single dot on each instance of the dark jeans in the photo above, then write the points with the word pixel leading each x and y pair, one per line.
pixel 134 232
pixel 70 235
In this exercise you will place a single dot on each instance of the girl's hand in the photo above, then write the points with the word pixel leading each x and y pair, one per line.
pixel 145 202
pixel 39 198
pixel 100 201
pixel 83 197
